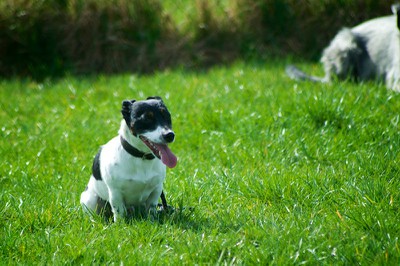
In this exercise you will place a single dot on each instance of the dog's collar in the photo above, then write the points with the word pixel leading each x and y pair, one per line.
pixel 135 152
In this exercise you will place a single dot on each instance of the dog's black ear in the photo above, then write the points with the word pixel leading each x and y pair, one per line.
pixel 154 98
pixel 126 111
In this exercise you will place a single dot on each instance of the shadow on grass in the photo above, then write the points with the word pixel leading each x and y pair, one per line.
pixel 181 216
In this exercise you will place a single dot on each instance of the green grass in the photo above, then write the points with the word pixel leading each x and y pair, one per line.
pixel 278 172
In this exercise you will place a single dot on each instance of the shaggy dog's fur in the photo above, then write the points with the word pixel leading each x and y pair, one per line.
pixel 370 50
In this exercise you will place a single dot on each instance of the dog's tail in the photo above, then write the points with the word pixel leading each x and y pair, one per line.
pixel 296 74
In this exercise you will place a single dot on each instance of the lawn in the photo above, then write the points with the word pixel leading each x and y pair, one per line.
pixel 278 172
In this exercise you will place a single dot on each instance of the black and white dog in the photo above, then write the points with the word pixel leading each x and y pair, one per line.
pixel 370 50
pixel 128 172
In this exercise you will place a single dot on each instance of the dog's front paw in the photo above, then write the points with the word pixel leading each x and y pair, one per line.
pixel 119 214
pixel 168 210
pixel 152 213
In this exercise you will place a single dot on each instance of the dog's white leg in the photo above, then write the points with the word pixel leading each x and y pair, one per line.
pixel 117 205
pixel 393 78
pixel 152 201
pixel 393 84
pixel 89 199
pixel 88 203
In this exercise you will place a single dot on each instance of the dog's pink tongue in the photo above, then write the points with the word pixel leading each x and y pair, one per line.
pixel 167 157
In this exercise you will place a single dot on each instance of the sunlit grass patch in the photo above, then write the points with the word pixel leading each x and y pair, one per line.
pixel 277 172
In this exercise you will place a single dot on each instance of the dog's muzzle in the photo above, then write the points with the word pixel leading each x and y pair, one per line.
pixel 169 136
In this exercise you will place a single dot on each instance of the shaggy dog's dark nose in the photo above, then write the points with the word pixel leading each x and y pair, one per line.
pixel 169 136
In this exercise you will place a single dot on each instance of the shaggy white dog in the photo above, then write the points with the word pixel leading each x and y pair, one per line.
pixel 370 50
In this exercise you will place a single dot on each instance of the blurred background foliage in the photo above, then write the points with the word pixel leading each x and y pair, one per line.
pixel 41 38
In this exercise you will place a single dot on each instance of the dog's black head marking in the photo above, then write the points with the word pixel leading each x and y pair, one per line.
pixel 150 121
pixel 126 110
pixel 142 116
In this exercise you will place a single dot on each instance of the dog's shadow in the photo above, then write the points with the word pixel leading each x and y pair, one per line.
pixel 181 216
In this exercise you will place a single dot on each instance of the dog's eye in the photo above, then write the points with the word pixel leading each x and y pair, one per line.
pixel 149 116
pixel 165 114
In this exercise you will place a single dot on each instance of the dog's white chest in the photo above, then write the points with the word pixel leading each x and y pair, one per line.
pixel 135 178
pixel 136 189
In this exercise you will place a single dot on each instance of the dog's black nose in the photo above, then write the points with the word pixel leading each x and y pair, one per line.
pixel 169 136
